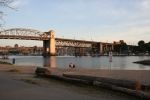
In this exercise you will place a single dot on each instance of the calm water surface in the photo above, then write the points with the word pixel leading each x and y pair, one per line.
pixel 125 62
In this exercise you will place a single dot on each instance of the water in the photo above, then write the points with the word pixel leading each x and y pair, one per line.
pixel 118 62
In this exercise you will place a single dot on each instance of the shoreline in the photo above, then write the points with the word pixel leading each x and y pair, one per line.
pixel 16 68
pixel 22 72
pixel 25 84
pixel 143 62
pixel 131 82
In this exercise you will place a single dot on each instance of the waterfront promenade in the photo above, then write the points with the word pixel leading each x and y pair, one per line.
pixel 133 75
pixel 132 82
pixel 20 83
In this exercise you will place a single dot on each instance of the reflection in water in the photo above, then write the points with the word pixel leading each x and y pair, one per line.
pixel 49 62
pixel 102 62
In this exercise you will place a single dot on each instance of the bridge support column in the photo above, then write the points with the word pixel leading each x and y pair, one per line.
pixel 101 48
pixel 45 47
pixel 49 45
pixel 52 44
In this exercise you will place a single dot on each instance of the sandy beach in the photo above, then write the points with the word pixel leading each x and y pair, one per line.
pixel 18 69
pixel 20 83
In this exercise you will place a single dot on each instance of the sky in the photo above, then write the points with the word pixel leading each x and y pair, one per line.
pixel 96 20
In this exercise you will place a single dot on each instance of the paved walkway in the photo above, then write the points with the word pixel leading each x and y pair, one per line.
pixel 133 75
pixel 12 89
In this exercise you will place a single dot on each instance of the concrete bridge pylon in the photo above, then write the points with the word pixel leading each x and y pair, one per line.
pixel 49 45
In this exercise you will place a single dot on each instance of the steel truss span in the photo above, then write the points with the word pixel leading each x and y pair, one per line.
pixel 72 43
pixel 31 34
pixel 22 33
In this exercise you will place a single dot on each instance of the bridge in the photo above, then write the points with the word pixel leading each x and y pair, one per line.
pixel 52 45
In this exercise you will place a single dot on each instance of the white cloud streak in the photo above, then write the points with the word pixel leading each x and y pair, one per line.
pixel 107 19
pixel 19 3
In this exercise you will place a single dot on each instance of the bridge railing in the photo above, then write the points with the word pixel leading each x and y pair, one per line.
pixel 21 33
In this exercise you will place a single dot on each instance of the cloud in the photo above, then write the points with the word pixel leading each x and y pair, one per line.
pixel 145 4
pixel 19 3
pixel 129 33
pixel 107 19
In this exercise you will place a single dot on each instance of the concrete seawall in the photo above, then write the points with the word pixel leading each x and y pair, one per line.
pixel 133 82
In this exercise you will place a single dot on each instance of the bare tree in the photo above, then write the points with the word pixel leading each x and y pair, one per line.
pixel 4 4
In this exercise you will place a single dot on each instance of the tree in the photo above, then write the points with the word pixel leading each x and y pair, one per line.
pixel 121 47
pixel 147 46
pixel 141 43
pixel 4 4
pixel 142 46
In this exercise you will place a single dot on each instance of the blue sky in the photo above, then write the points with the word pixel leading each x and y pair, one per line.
pixel 98 20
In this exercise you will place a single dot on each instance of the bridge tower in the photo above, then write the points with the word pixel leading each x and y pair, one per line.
pixel 49 45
